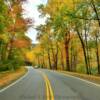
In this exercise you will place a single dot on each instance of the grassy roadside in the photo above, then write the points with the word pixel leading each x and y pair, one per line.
pixel 92 78
pixel 8 77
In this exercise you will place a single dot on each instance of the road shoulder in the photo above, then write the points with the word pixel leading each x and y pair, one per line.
pixel 8 78
pixel 89 78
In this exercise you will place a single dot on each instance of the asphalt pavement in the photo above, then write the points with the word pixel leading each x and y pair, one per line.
pixel 42 84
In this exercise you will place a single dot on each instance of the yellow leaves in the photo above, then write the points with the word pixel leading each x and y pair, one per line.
pixel 17 8
pixel 56 5
pixel 29 56
pixel 32 55
pixel 37 48
pixel 4 37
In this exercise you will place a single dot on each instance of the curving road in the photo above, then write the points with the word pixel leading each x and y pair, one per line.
pixel 40 84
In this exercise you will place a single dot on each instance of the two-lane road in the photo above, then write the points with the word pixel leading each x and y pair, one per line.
pixel 39 84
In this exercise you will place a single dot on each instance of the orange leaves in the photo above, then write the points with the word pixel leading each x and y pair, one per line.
pixel 21 43
pixel 20 23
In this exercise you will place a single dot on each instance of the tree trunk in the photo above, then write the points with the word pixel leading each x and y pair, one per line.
pixel 38 59
pixel 67 40
pixel 96 12
pixel 56 57
pixel 62 58
pixel 97 55
pixel 53 55
pixel 10 48
pixel 43 60
pixel 67 57
pixel 49 59
pixel 84 51
pixel 87 49
pixel 73 59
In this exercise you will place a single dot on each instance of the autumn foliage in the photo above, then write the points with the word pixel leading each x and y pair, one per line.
pixel 70 38
pixel 13 41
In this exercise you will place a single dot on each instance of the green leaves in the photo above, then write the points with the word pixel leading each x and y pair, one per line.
pixel 12 28
pixel 3 11
pixel 3 7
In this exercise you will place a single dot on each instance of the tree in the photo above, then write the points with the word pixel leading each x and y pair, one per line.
pixel 12 32
pixel 68 22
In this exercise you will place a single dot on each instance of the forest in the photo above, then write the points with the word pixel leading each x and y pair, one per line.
pixel 49 49
pixel 13 41
pixel 70 38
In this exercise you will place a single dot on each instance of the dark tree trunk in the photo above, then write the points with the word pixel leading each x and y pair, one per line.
pixel 49 59
pixel 67 40
pixel 87 48
pixel 43 60
pixel 96 12
pixel 84 51
pixel 38 60
pixel 67 56
pixel 10 48
pixel 71 58
pixel 56 57
pixel 62 59
pixel 53 55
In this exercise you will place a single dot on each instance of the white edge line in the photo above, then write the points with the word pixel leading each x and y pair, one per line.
pixel 89 82
pixel 18 80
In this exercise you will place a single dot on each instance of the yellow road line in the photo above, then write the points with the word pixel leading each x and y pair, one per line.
pixel 49 91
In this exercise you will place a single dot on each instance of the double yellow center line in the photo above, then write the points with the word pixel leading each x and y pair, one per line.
pixel 49 91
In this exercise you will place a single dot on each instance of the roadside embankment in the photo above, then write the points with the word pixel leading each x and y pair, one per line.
pixel 92 78
pixel 8 77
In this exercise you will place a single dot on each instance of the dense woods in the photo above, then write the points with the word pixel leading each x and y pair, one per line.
pixel 70 38
pixel 13 41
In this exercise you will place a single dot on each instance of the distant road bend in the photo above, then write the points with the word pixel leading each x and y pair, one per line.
pixel 42 84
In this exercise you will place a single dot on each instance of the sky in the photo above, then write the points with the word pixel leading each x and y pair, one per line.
pixel 31 11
